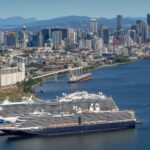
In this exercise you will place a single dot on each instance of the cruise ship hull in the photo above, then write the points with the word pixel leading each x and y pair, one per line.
pixel 81 78
pixel 59 131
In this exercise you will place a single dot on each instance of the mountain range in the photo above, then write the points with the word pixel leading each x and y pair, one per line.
pixel 67 21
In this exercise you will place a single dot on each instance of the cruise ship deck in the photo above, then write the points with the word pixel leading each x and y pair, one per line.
pixel 67 103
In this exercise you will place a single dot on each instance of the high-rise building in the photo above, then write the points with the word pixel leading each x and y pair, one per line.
pixel 83 34
pixel 139 27
pixel 24 38
pixel 93 26
pixel 100 30
pixel 148 27
pixel 68 35
pixel 57 39
pixel 2 35
pixel 148 20
pixel 106 35
pixel 90 36
pixel 40 39
pixel 133 35
pixel 141 31
pixel 71 36
pixel 128 41
pixel 97 46
pixel 119 22
pixel 11 39
pixel 88 44
pixel 64 32
pixel 144 32
pixel 33 40
pixel 45 35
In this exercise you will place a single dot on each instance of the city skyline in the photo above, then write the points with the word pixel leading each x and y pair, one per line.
pixel 52 9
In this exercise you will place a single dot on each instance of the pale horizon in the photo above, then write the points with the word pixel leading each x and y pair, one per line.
pixel 49 9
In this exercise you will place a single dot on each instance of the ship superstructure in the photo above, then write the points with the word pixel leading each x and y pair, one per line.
pixel 65 103
pixel 78 76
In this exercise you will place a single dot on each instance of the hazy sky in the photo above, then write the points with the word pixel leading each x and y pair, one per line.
pixel 47 9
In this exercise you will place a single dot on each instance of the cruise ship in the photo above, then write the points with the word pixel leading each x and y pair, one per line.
pixel 75 113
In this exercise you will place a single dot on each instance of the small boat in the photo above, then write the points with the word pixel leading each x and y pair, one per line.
pixel 42 90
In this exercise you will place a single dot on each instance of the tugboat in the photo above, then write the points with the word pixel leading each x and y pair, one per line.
pixel 78 76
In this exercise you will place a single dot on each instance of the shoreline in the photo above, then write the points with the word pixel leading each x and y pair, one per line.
pixel 40 82
pixel 91 68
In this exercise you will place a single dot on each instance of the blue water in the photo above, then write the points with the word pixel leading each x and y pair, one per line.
pixel 128 84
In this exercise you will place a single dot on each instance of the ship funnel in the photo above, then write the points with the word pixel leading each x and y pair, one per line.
pixel 79 110
pixel 79 120
pixel 100 93
pixel 91 107
pixel 97 107
pixel 64 94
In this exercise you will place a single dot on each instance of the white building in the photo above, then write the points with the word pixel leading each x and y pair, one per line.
pixel 2 37
pixel 128 40
pixel 97 46
pixel 71 35
pixel 57 39
pixel 93 26
pixel 89 44
pixel 12 75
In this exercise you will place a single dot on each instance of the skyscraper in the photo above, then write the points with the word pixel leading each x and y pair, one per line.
pixel 144 32
pixel 64 32
pixel 33 39
pixel 148 20
pixel 45 35
pixel 2 35
pixel 11 39
pixel 57 39
pixel 100 30
pixel 93 26
pixel 106 35
pixel 133 35
pixel 24 37
pixel 71 36
pixel 40 39
pixel 141 31
pixel 119 22
pixel 148 27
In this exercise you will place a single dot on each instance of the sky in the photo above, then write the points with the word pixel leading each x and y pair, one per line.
pixel 48 9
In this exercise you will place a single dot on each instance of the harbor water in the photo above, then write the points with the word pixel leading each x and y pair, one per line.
pixel 128 84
